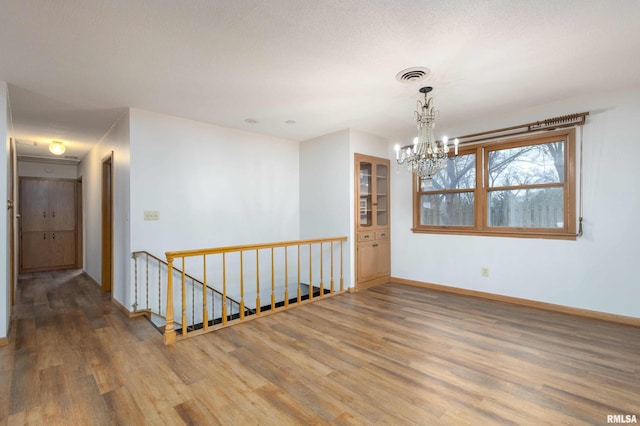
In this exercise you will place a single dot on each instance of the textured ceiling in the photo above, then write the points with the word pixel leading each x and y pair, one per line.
pixel 74 66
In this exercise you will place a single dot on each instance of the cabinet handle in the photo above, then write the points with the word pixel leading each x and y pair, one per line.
pixel 383 235
pixel 53 236
pixel 366 236
pixel 54 213
pixel 375 245
pixel 44 214
pixel 44 236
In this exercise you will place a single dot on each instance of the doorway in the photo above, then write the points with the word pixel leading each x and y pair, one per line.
pixel 12 224
pixel 107 223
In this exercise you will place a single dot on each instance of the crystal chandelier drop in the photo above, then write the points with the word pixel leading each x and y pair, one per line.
pixel 426 157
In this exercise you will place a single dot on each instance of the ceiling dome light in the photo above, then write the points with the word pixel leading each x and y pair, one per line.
pixel 57 148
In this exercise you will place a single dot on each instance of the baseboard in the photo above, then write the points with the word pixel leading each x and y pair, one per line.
pixel 371 283
pixel 119 305
pixel 128 313
pixel 90 278
pixel 620 319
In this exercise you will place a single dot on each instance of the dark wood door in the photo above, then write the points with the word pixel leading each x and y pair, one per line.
pixel 48 231
pixel 34 204
pixel 62 195
pixel 34 251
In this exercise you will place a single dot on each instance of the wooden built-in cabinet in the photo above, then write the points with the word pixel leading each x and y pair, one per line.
pixel 48 224
pixel 373 244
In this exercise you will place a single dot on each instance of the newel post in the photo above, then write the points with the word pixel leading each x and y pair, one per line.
pixel 169 331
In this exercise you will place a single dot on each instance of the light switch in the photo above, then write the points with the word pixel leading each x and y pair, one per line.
pixel 151 215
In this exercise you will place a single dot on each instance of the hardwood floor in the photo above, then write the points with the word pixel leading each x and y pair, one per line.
pixel 392 354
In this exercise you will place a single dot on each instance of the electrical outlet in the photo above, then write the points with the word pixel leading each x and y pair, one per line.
pixel 151 215
pixel 485 271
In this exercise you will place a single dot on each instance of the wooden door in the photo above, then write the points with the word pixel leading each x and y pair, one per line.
pixel 107 223
pixel 62 206
pixel 62 249
pixel 48 224
pixel 383 263
pixel 12 223
pixel 34 251
pixel 34 204
pixel 367 258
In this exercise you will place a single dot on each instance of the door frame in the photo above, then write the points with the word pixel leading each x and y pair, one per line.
pixel 79 226
pixel 107 223
pixel 12 223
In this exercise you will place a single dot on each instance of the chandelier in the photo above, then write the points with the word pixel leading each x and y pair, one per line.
pixel 426 157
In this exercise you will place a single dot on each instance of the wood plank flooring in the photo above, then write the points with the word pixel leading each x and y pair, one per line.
pixel 392 354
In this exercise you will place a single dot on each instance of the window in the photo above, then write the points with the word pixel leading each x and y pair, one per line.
pixel 520 187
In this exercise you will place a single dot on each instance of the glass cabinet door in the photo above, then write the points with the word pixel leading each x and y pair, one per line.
pixel 366 194
pixel 381 202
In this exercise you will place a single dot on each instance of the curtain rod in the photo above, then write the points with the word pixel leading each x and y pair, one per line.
pixel 549 124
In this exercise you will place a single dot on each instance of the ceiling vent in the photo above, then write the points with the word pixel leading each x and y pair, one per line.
pixel 413 75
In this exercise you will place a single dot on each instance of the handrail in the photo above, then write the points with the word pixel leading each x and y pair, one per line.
pixel 217 250
pixel 236 279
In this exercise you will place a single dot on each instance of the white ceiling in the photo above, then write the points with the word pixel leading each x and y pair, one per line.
pixel 74 66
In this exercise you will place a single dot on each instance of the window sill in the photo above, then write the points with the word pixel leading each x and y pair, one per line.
pixel 557 235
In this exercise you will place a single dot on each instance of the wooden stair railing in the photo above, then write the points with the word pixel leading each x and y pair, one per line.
pixel 156 267
pixel 241 279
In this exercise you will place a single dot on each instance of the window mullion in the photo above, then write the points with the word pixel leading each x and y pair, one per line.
pixel 481 191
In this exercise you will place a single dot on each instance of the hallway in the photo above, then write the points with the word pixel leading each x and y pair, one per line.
pixel 68 342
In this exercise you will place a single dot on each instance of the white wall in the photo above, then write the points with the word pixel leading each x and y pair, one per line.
pixel 596 272
pixel 90 169
pixel 325 206
pixel 47 170
pixel 5 220
pixel 212 186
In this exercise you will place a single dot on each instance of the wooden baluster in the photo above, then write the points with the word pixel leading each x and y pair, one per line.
pixel 321 273
pixel 310 274
pixel 224 285
pixel 286 276
pixel 257 285
pixel 273 282
pixel 169 331
pixel 341 261
pixel 331 284
pixel 146 283
pixel 184 301
pixel 299 283
pixel 205 313
pixel 241 287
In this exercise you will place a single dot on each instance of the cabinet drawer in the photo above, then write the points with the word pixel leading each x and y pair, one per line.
pixel 366 236
pixel 383 235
